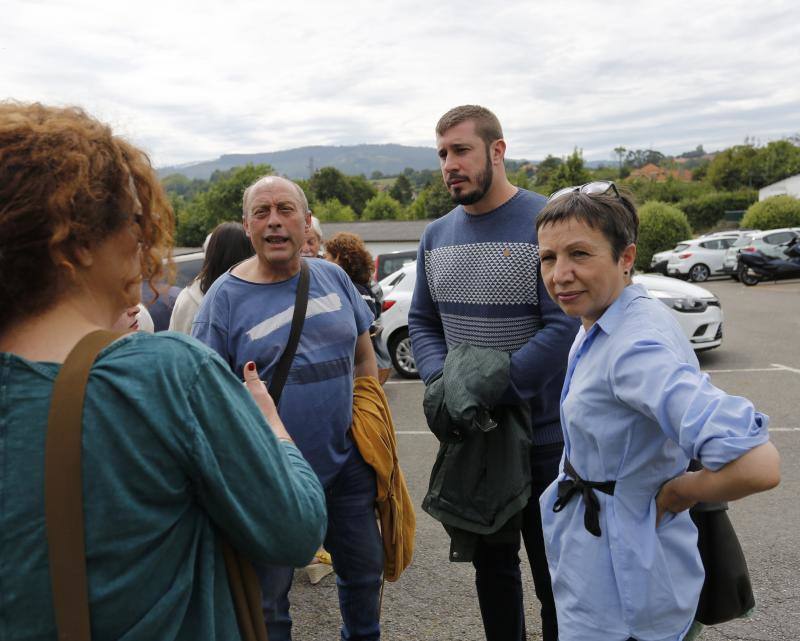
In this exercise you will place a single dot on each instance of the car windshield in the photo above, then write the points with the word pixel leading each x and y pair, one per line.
pixel 742 241
pixel 681 247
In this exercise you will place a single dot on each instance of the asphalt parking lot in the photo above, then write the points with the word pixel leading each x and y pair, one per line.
pixel 759 358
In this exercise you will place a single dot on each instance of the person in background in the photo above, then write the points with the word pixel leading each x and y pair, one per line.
pixel 349 252
pixel 312 240
pixel 134 319
pixel 635 409
pixel 176 452
pixel 247 316
pixel 226 246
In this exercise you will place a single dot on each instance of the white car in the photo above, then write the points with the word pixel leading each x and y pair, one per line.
pixel 700 258
pixel 698 311
pixel 659 261
pixel 770 243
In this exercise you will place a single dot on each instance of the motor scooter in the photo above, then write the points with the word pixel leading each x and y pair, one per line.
pixel 757 266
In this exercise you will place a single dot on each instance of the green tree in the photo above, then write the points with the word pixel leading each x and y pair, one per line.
pixel 328 183
pixel 637 158
pixel 361 190
pixel 778 160
pixel 734 168
pixel 401 190
pixel 661 226
pixel 221 202
pixel 382 207
pixel 570 172
pixel 772 213
pixel 620 151
pixel 705 210
pixel 333 211
pixel 519 178
pixel 668 191
pixel 438 200
pixel 180 185
pixel 546 169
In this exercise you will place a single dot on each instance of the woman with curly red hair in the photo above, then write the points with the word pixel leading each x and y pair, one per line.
pixel 174 452
pixel 349 252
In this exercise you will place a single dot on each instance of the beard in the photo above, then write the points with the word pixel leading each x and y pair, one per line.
pixel 483 181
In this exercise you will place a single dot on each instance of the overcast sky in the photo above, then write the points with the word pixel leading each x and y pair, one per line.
pixel 190 81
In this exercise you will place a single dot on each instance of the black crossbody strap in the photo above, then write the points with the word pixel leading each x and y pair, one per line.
pixel 299 317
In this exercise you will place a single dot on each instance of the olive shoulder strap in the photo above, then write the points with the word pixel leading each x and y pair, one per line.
pixel 63 496
pixel 63 489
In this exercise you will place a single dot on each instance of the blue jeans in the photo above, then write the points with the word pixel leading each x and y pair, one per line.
pixel 354 541
pixel 497 575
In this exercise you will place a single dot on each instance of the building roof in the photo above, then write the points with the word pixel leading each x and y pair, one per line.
pixel 659 174
pixel 373 231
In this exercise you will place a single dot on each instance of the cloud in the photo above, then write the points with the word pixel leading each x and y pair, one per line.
pixel 191 81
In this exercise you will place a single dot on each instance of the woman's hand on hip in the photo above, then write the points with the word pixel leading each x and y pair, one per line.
pixel 674 496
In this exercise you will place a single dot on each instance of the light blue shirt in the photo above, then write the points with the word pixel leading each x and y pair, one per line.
pixel 634 409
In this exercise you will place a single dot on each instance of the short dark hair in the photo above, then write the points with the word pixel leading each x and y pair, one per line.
pixel 227 246
pixel 487 126
pixel 614 216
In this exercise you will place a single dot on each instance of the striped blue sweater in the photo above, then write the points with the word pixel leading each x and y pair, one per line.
pixel 478 282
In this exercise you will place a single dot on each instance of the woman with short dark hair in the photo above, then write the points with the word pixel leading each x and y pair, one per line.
pixel 635 409
pixel 176 453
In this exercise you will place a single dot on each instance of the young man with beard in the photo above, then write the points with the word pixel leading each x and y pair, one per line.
pixel 246 315
pixel 478 282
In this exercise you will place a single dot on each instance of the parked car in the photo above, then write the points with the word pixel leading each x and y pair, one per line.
pixel 730 262
pixel 700 258
pixel 698 311
pixel 386 264
pixel 659 261
pixel 771 243
pixel 187 266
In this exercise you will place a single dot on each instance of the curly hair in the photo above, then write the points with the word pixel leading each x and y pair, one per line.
pixel 349 252
pixel 66 182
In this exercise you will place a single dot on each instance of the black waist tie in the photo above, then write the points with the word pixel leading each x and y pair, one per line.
pixel 569 487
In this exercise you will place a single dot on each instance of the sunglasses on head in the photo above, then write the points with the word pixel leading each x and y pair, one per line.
pixel 595 188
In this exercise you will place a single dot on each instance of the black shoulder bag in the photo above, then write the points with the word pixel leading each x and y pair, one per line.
pixel 727 593
pixel 298 318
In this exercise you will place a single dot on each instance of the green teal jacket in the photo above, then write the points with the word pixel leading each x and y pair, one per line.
pixel 481 478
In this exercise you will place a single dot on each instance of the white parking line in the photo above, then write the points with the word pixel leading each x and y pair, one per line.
pixel 775 367
pixel 753 369
pixel 429 433
pixel 786 367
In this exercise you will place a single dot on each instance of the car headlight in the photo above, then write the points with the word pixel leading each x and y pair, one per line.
pixel 681 303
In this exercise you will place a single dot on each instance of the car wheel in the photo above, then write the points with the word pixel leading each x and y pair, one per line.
pixel 699 273
pixel 747 277
pixel 401 354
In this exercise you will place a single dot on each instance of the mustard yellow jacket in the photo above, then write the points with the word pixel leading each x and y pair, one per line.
pixel 373 433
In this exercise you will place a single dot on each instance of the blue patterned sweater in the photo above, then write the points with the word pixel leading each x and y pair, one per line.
pixel 478 282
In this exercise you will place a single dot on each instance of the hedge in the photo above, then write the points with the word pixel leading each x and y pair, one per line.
pixel 772 213
pixel 706 210
pixel 661 226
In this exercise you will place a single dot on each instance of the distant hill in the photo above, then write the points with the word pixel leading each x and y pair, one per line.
pixel 295 163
